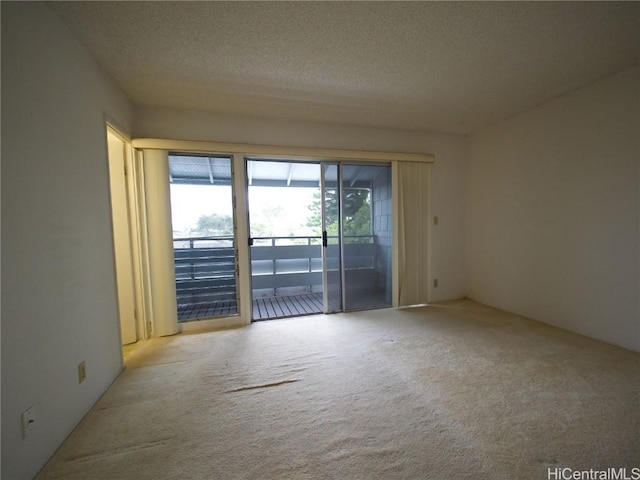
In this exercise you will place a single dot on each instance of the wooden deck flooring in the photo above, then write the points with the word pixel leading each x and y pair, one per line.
pixel 264 308
pixel 287 306
pixel 194 311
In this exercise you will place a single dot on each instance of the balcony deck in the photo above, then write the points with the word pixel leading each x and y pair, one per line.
pixel 264 308
pixel 191 311
pixel 287 306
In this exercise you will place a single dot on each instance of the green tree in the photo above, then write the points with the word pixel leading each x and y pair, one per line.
pixel 356 212
pixel 360 223
pixel 213 225
pixel 314 220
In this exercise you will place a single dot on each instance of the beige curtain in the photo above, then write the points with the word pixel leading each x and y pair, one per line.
pixel 159 243
pixel 413 223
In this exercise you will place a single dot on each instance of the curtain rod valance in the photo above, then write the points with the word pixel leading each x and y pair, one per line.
pixel 283 152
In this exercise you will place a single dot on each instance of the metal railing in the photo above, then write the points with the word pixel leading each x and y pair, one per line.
pixel 206 266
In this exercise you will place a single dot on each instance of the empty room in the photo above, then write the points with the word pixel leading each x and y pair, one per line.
pixel 320 240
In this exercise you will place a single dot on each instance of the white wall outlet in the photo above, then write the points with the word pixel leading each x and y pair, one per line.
pixel 82 372
pixel 28 418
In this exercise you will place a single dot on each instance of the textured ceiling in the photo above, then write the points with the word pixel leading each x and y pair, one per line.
pixel 432 66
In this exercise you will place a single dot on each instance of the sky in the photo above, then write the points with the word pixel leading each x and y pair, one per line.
pixel 267 205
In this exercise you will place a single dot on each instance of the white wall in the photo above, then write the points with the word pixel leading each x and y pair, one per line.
pixel 553 212
pixel 59 302
pixel 448 173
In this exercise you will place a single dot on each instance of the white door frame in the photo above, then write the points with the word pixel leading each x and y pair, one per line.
pixel 119 154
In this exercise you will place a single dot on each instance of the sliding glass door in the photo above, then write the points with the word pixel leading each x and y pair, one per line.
pixel 203 236
pixel 357 231
pixel 284 200
pixel 366 217
pixel 320 236
pixel 331 235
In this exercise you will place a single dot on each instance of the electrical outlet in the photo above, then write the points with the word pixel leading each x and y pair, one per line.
pixel 435 220
pixel 82 372
pixel 28 418
pixel 435 283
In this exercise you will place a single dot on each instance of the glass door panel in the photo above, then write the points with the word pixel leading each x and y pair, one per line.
pixel 331 232
pixel 366 228
pixel 285 243
pixel 203 236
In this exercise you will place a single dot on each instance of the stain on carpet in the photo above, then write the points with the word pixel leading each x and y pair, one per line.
pixel 264 385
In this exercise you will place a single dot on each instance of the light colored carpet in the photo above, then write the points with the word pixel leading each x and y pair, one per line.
pixel 450 391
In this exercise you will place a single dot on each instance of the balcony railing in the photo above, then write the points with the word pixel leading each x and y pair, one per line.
pixel 206 266
pixel 205 270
